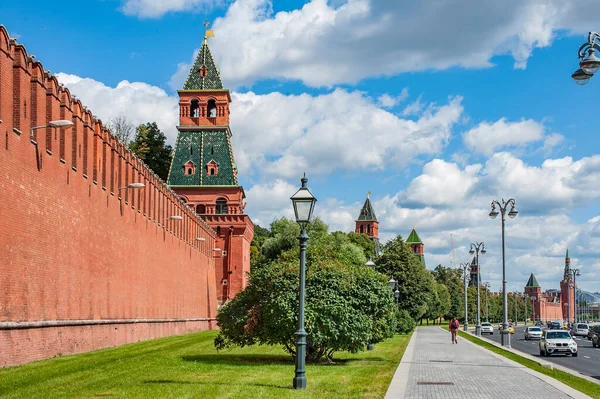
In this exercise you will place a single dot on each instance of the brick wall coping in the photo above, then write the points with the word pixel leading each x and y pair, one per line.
pixel 10 325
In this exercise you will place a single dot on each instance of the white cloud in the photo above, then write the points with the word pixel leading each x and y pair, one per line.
pixel 388 101
pixel 157 8
pixel 413 108
pixel 327 43
pixel 139 102
pixel 488 138
pixel 340 130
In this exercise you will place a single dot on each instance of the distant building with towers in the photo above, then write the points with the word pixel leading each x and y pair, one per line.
pixel 367 223
pixel 553 305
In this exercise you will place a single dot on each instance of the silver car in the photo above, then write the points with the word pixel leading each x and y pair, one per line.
pixel 487 328
pixel 580 329
pixel 533 332
pixel 557 341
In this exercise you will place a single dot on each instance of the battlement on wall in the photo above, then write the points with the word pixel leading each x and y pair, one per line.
pixel 78 246
pixel 37 97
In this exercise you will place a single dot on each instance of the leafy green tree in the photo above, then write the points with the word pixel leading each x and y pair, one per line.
pixel 347 305
pixel 364 242
pixel 405 322
pixel 260 236
pixel 415 282
pixel 150 146
pixel 443 300
pixel 452 279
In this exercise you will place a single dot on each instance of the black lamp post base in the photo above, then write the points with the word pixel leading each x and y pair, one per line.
pixel 300 382
pixel 369 346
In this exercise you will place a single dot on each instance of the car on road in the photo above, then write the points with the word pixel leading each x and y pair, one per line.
pixel 554 325
pixel 532 332
pixel 487 328
pixel 557 341
pixel 596 339
pixel 580 329
pixel 594 328
pixel 511 328
pixel 539 323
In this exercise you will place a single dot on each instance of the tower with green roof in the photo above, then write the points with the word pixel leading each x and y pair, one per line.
pixel 367 223
pixel 415 243
pixel 204 173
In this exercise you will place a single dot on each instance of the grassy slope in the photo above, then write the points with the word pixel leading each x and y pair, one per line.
pixel 587 387
pixel 189 367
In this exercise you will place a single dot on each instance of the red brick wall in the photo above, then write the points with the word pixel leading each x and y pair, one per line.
pixel 73 250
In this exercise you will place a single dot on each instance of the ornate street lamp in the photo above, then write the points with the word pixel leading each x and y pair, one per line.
pixel 589 63
pixel 477 247
pixel 504 334
pixel 466 323
pixel 574 272
pixel 304 204
pixel 370 264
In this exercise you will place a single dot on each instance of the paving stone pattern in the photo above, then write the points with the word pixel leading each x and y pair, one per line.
pixel 475 372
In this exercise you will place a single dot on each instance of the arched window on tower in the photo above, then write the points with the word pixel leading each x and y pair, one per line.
pixel 368 229
pixel 201 209
pixel 194 109
pixel 362 230
pixel 211 108
pixel 221 206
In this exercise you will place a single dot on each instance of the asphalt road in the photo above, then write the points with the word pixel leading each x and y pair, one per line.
pixel 587 362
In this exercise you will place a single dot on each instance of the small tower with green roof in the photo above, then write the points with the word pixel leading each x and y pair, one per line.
pixel 367 224
pixel 204 173
pixel 415 243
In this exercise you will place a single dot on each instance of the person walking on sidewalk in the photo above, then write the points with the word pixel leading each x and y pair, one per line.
pixel 453 327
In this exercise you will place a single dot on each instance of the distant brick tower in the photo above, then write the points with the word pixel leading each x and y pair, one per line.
pixel 204 174
pixel 567 291
pixel 367 224
pixel 474 276
pixel 415 243
pixel 534 291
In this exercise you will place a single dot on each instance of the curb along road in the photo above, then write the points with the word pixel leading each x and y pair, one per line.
pixel 543 363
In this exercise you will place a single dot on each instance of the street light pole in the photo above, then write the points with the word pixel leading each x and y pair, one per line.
pixel 475 248
pixel 504 334
pixel 576 272
pixel 487 303
pixel 466 324
pixel 304 203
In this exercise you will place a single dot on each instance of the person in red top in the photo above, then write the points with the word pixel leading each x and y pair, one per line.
pixel 453 327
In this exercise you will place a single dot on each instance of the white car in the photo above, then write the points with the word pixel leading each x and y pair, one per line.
pixel 532 332
pixel 487 328
pixel 580 329
pixel 557 341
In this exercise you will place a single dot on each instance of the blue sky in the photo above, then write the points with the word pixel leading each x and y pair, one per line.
pixel 364 96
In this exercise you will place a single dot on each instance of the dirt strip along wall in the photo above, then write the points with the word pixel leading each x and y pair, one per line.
pixel 74 249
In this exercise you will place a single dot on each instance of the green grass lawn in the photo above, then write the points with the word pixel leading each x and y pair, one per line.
pixel 585 386
pixel 189 367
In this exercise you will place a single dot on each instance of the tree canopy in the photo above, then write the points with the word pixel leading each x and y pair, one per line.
pixel 347 304
pixel 150 146
pixel 416 283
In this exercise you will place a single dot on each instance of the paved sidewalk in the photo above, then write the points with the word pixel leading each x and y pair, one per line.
pixel 432 367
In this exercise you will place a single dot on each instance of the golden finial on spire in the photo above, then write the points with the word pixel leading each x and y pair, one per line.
pixel 208 32
pixel 368 193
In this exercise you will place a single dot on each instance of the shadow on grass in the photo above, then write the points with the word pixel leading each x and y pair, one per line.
pixel 240 360
pixel 261 360
pixel 217 383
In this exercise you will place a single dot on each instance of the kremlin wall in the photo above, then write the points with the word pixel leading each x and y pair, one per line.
pixel 85 265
